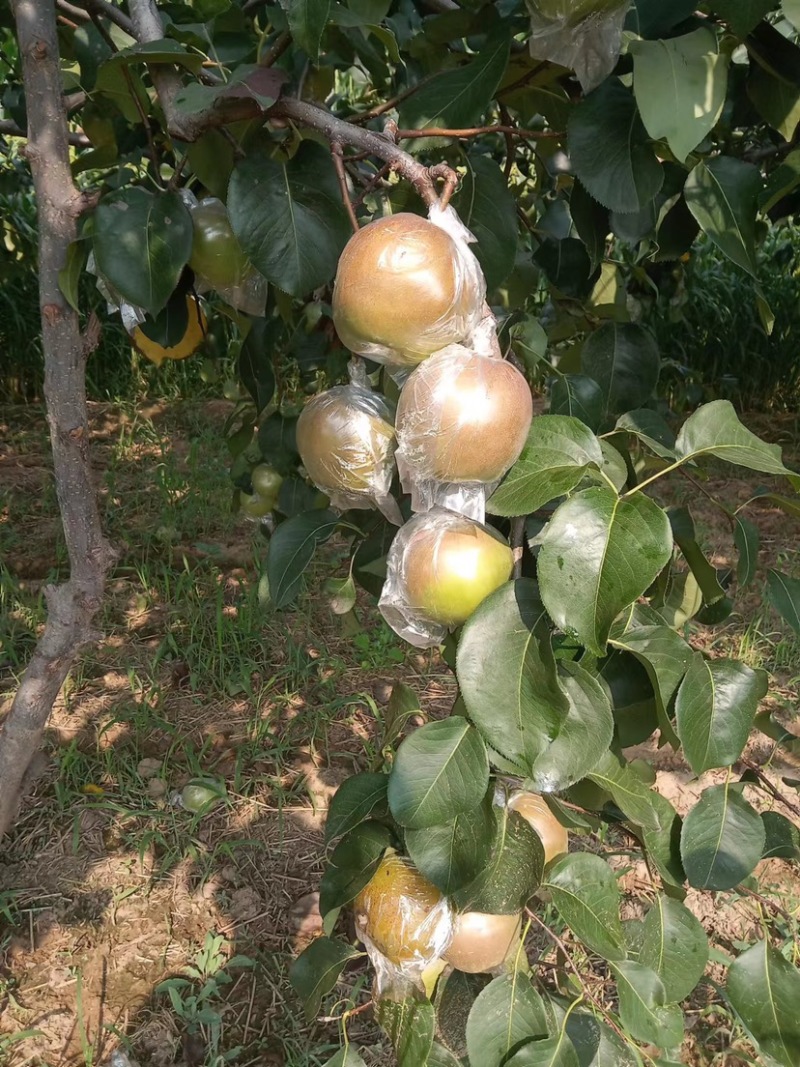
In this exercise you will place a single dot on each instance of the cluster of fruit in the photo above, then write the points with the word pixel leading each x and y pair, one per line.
pixel 412 931
pixel 409 293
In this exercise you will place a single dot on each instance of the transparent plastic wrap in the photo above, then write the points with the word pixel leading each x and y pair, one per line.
pixel 405 923
pixel 218 260
pixel 346 441
pixel 131 315
pixel 440 567
pixel 462 421
pixel 584 35
pixel 406 287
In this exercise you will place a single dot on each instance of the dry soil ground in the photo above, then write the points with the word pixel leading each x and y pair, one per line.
pixel 108 888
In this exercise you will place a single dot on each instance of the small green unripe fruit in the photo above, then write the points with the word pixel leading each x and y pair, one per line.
pixel 346 441
pixel 463 417
pixel 266 482
pixel 482 942
pixel 255 506
pixel 217 256
pixel 450 567
pixel 402 290
pixel 536 813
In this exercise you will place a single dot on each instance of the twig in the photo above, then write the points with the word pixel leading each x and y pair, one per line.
pixel 475 131
pixel 72 11
pixel 148 129
pixel 9 128
pixel 520 82
pixel 517 538
pixel 587 993
pixel 338 163
pixel 387 105
pixel 275 50
pixel 770 788
pixel 372 183
pixel 346 1015
pixel 767 903
pixel 111 12
pixel 510 149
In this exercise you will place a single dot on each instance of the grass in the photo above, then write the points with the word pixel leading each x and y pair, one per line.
pixel 111 889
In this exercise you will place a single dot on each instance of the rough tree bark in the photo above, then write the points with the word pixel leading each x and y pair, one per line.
pixel 71 606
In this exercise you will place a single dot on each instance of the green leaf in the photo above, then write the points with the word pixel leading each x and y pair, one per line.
pixel 764 989
pixel 163 51
pixel 683 531
pixel 776 101
pixel 489 211
pixel 680 86
pixel 650 429
pixel 354 801
pixel 781 182
pixel 291 549
pixel 791 11
pixel 596 1043
pixel 403 703
pixel 249 81
pixel 555 457
pixel 352 864
pixel 665 656
pixel 643 1006
pixel 314 974
pixel 632 698
pixel 624 360
pixel 580 397
pixel 599 554
pixel 587 897
pixel 410 1025
pixel 546 1052
pixel 453 854
pixel 675 946
pixel 567 266
pixel 591 221
pixel 70 274
pixel 307 20
pixel 747 539
pixel 507 673
pixel 505 1013
pixel 346 1057
pixel 142 242
pixel 513 873
pixel 722 839
pixel 341 592
pixel 782 836
pixel 610 151
pixel 783 593
pixel 289 217
pixel 715 708
pixel 255 361
pixel 583 736
pixel 722 194
pixel 458 98
pixel 529 342
pixel 715 430
pixel 653 18
pixel 629 792
pixel 440 771
pixel 663 846
pixel 440 1056
pixel 743 15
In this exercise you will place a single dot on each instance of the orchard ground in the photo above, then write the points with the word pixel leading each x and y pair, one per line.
pixel 108 888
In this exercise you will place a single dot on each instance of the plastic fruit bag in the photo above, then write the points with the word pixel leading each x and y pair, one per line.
pixel 218 261
pixel 406 287
pixel 440 567
pixel 584 35
pixel 404 922
pixel 462 421
pixel 346 441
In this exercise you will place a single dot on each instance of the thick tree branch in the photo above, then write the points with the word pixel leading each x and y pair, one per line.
pixel 111 12
pixel 70 606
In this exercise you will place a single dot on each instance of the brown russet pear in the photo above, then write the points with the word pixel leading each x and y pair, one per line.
pixel 403 291
pixel 463 417
pixel 482 942
pixel 535 811
pixel 346 439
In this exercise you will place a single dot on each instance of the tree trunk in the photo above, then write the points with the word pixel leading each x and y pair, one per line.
pixel 72 605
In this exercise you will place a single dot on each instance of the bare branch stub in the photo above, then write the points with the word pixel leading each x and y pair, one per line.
pixel 71 606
